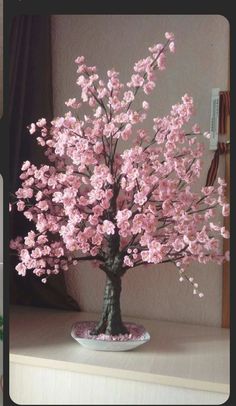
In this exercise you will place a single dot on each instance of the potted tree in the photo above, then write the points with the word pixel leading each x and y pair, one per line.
pixel 120 208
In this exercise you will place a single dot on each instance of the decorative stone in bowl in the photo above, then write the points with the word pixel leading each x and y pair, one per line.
pixel 102 342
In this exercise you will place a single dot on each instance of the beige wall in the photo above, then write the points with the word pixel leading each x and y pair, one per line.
pixel 200 63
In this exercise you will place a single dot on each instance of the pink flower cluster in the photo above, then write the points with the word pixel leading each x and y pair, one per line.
pixel 88 194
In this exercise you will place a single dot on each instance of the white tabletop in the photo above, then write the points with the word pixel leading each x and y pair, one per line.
pixel 178 354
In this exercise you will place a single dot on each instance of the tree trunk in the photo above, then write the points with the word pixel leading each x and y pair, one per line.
pixel 111 322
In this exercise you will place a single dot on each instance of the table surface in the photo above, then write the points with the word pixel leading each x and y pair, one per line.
pixel 178 354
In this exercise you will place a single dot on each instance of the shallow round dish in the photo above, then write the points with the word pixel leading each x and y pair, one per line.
pixel 136 337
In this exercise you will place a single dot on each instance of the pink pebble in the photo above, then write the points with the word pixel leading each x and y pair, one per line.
pixel 136 332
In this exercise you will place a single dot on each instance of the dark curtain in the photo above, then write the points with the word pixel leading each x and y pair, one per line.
pixel 30 98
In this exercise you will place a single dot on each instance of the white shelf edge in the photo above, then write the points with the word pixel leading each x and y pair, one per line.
pixel 121 373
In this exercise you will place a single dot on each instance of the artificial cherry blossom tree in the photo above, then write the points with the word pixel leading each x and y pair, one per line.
pixel 122 210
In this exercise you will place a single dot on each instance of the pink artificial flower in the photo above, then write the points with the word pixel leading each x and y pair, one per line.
pixel 108 227
pixel 140 198
pixel 156 48
pixel 145 105
pixel 28 214
pixel 137 80
pixel 126 133
pixel 225 210
pixel 129 96
pixel 41 123
pixel 20 205
pixel 30 239
pixel 172 46
pixel 196 129
pixel 148 87
pixel 207 190
pixel 221 181
pixel 21 269
pixel 25 165
pixel 170 36
pixel 32 128
pixel 42 239
pixel 43 205
pixel 24 255
pixel 224 233
pixel 128 262
pixel 79 60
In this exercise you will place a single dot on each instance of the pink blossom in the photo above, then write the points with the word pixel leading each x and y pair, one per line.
pixel 30 239
pixel 161 62
pixel 156 48
pixel 24 255
pixel 224 232
pixel 136 80
pixel 43 205
pixel 207 190
pixel 32 128
pixel 21 269
pixel 79 60
pixel 196 129
pixel 20 205
pixel 148 87
pixel 25 165
pixel 42 239
pixel 126 133
pixel 225 210
pixel 128 262
pixel 170 36
pixel 172 46
pixel 145 105
pixel 41 122
pixel 140 198
pixel 123 215
pixel 221 181
pixel 128 96
pixel 73 103
pixel 108 227
pixel 28 214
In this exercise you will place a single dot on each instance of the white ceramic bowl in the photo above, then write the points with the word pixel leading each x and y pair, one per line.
pixel 93 343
